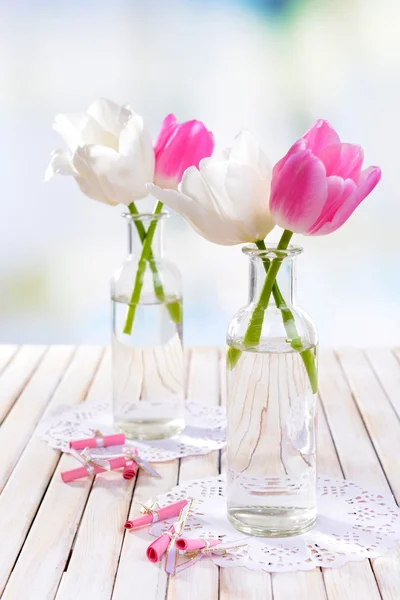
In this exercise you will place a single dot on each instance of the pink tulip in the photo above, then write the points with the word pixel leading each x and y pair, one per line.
pixel 178 147
pixel 319 183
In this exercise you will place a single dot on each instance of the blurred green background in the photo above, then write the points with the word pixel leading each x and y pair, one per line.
pixel 270 66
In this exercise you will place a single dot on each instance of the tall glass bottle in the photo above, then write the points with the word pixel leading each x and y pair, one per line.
pixel 271 405
pixel 147 353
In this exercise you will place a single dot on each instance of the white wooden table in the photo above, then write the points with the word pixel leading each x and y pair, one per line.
pixel 66 542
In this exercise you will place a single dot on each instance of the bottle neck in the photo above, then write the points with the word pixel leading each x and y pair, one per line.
pixel 137 231
pixel 285 279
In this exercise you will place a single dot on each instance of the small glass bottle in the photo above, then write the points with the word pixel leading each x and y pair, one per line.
pixel 271 406
pixel 147 352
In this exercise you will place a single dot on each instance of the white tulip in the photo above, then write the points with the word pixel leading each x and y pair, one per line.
pixel 226 200
pixel 109 152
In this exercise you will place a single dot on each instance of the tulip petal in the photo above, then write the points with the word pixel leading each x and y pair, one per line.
pixel 248 194
pixel 93 165
pixel 235 198
pixel 213 174
pixel 369 178
pixel 225 199
pixel 136 145
pixel 171 198
pixel 186 146
pixel 245 149
pixel 79 129
pixel 338 192
pixel 164 134
pixel 106 176
pixel 298 192
pixel 194 185
pixel 182 204
pixel 111 116
pixel 344 160
pixel 298 146
pixel 69 126
pixel 224 154
pixel 60 164
pixel 179 146
pixel 320 135
pixel 207 223
pixel 192 212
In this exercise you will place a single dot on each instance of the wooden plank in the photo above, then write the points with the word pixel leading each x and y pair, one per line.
pixel 304 585
pixel 301 585
pixel 387 573
pixel 328 462
pixel 23 417
pixel 45 553
pixel 296 586
pixel 360 464
pixel 40 566
pixel 15 377
pixel 95 544
pixel 37 464
pixel 7 353
pixel 339 582
pixel 346 425
pixel 241 582
pixel 203 384
pixel 387 369
pixel 98 544
pixel 135 572
pixel 134 568
pixel 238 583
pixel 377 412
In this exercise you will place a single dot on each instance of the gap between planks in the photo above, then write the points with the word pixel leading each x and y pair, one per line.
pixel 16 374
pixel 7 353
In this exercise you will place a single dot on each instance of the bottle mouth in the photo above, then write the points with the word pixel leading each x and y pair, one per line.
pixel 272 251
pixel 145 217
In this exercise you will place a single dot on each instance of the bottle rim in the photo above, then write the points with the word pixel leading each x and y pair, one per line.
pixel 146 217
pixel 272 251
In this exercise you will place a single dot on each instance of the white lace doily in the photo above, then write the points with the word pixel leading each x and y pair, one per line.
pixel 352 524
pixel 204 431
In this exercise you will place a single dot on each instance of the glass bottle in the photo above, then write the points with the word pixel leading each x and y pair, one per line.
pixel 147 352
pixel 271 405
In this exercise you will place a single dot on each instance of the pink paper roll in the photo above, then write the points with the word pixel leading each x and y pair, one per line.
pixel 130 470
pixel 188 544
pixel 155 551
pixel 117 439
pixel 166 512
pixel 115 463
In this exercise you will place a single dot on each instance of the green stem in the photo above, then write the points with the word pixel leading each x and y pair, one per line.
pixel 138 224
pixel 253 333
pixel 174 308
pixel 144 258
pixel 158 288
pixel 307 356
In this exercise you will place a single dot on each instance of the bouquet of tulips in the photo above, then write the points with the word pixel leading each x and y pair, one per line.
pixel 233 198
pixel 237 198
pixel 112 158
